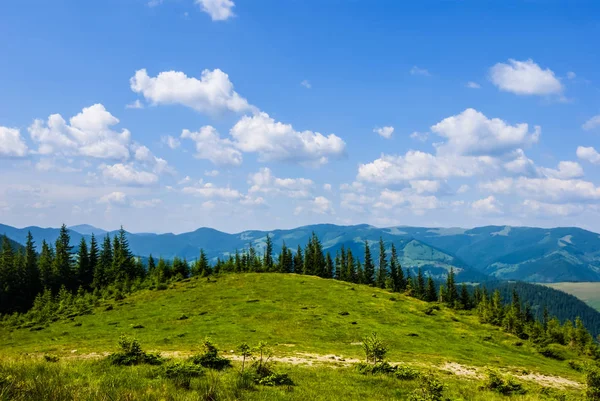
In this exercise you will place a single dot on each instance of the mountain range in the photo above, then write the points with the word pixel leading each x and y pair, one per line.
pixel 498 252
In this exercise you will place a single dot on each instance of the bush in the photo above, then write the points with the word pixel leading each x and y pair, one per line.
pixel 503 385
pixel 210 357
pixel 405 372
pixel 275 379
pixel 431 389
pixel 377 368
pixel 592 379
pixel 575 366
pixel 182 373
pixel 132 354
pixel 553 352
pixel 375 349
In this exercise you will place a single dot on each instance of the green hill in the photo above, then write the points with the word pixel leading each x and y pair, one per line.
pixel 307 320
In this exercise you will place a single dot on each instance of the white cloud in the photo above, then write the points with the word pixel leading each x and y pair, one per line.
pixel 588 153
pixel 211 191
pixel 170 141
pixel 318 205
pixel 306 84
pixel 415 165
pixel 210 146
pixel 11 143
pixel 571 75
pixel 520 164
pixel 419 71
pixel 327 187
pixel 499 186
pixel 425 186
pixel 219 10
pixel 592 123
pixel 489 205
pixel 565 170
pixel 385 132
pixel 144 155
pixel 47 164
pixel 265 182
pixel 549 209
pixel 277 141
pixel 472 133
pixel 154 3
pixel 211 173
pixel 135 105
pixel 417 203
pixel 356 201
pixel 525 78
pixel 420 136
pixel 119 198
pixel 462 189
pixel 473 85
pixel 127 174
pixel 553 189
pixel 213 93
pixel 87 134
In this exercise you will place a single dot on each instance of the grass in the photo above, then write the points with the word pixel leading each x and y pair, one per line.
pixel 296 315
pixel 587 292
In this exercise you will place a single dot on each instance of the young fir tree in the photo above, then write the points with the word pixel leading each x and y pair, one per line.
pixel 268 256
pixel 298 260
pixel 32 271
pixel 430 293
pixel 465 298
pixel 85 274
pixel 286 259
pixel 451 291
pixel 63 261
pixel 328 266
pixel 151 265
pixel 337 266
pixel 395 278
pixel 369 268
pixel 382 270
pixel 202 267
pixel 123 258
pixel 353 269
pixel 314 259
pixel 420 285
pixel 45 264
pixel 94 256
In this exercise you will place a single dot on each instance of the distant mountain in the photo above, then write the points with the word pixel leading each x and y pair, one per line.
pixel 501 252
pixel 86 229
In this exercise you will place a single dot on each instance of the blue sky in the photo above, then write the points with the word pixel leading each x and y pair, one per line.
pixel 170 115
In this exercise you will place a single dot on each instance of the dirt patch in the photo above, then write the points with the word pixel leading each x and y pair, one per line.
pixel 461 370
pixel 550 381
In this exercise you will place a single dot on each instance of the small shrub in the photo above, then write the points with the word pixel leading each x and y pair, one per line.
pixel 592 379
pixel 182 373
pixel 431 389
pixel 405 372
pixel 575 366
pixel 210 357
pixel 373 369
pixel 51 358
pixel 161 287
pixel 504 385
pixel 552 352
pixel 132 354
pixel 375 349
pixel 276 379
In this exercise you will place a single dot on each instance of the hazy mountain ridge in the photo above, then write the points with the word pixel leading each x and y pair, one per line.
pixel 503 252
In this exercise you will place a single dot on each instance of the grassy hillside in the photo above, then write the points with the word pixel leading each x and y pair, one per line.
pixel 312 324
pixel 587 292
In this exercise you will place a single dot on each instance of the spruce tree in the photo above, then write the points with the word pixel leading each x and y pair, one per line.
pixel 32 271
pixel 452 292
pixel 353 268
pixel 103 273
pixel 430 293
pixel 202 267
pixel 420 285
pixel 151 265
pixel 394 270
pixel 45 264
pixel 328 266
pixel 7 275
pixel 94 256
pixel 369 268
pixel 338 266
pixel 345 269
pixel 268 256
pixel 298 261
pixel 382 270
pixel 465 298
pixel 63 261
pixel 84 272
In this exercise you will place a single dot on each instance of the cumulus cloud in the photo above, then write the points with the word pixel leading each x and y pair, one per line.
pixel 275 141
pixel 118 198
pixel 592 123
pixel 211 173
pixel 265 182
pixel 588 153
pixel 88 134
pixel 542 209
pixel 385 132
pixel 389 199
pixel 127 174
pixel 425 186
pixel 419 136
pixel 135 105
pixel 489 205
pixel 212 191
pixel 472 133
pixel 546 189
pixel 525 78
pixel 170 141
pixel 11 143
pixel 473 85
pixel 213 93
pixel 219 10
pixel 210 146
pixel 143 155
pixel 318 205
pixel 565 170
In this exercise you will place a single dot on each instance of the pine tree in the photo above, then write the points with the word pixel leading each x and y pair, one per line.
pixel 123 258
pixel 45 264
pixel 32 271
pixel 151 265
pixel 465 298
pixel 452 292
pixel 84 272
pixel 94 258
pixel 369 268
pixel 268 256
pixel 353 268
pixel 394 270
pixel 344 271
pixel 298 261
pixel 103 273
pixel 63 261
pixel 382 270
pixel 202 267
pixel 338 266
pixel 286 262
pixel 328 266
pixel 430 293
pixel 420 285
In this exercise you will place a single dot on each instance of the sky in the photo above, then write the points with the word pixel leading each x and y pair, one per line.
pixel 170 115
